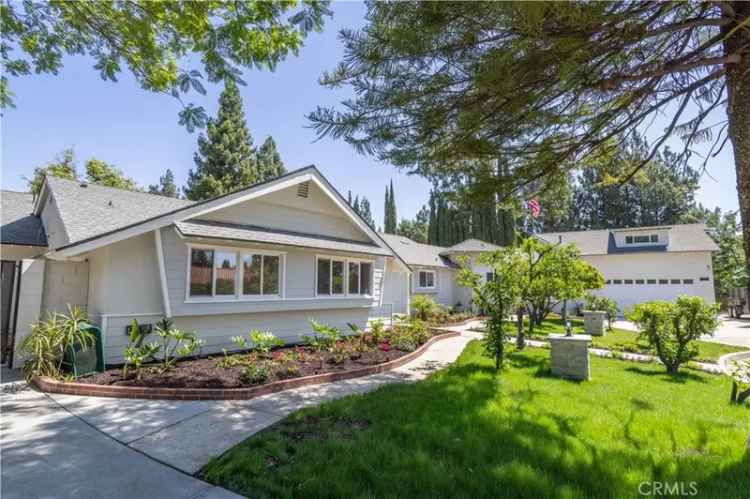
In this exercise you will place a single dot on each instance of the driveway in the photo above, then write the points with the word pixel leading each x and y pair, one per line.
pixel 64 446
pixel 730 332
pixel 47 452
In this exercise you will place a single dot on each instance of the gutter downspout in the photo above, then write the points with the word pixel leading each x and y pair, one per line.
pixel 162 273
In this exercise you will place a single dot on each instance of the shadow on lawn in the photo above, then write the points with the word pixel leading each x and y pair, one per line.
pixel 680 377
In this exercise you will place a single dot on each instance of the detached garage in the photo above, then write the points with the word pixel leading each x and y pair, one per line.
pixel 647 263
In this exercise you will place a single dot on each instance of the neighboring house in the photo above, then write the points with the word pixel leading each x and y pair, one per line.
pixel 434 267
pixel 647 263
pixel 270 256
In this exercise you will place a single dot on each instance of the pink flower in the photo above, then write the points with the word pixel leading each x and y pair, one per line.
pixel 385 346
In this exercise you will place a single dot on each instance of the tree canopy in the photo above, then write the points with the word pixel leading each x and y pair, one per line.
pixel 154 41
pixel 103 173
pixel 441 86
pixel 166 186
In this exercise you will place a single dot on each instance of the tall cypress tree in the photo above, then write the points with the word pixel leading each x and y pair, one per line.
pixel 269 161
pixel 225 160
pixel 392 217
pixel 432 223
pixel 166 186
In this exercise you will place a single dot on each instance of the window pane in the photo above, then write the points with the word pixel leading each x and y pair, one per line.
pixel 201 265
pixel 251 274
pixel 430 280
pixel 628 239
pixel 423 279
pixel 270 275
pixel 338 277
pixel 226 272
pixel 366 271
pixel 654 238
pixel 354 278
pixel 324 276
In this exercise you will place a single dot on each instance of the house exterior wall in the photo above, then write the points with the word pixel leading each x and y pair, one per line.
pixel 315 214
pixel 656 265
pixel 396 288
pixel 53 225
pixel 29 303
pixel 65 283
pixel 444 285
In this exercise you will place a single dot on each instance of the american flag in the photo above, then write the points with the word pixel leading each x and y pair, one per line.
pixel 534 207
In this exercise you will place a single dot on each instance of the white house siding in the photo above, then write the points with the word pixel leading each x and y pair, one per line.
pixel 396 288
pixel 65 283
pixel 124 278
pixel 315 214
pixel 651 265
pixel 29 302
pixel 53 225
pixel 444 285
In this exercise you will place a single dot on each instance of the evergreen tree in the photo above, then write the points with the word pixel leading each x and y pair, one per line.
pixel 392 216
pixel 166 186
pixel 225 160
pixel 366 212
pixel 269 161
pixel 432 236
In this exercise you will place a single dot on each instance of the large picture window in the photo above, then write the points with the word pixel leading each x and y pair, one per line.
pixel 337 277
pixel 222 273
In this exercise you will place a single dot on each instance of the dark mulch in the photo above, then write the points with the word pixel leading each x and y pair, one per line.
pixel 205 373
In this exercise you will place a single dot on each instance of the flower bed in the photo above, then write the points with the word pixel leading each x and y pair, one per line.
pixel 84 386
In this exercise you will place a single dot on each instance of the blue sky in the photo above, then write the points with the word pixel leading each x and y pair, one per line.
pixel 138 131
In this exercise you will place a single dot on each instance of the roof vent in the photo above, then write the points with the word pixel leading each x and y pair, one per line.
pixel 303 189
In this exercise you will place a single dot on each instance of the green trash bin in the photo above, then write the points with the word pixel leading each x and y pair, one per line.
pixel 80 361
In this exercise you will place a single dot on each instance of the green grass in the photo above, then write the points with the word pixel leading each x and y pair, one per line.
pixel 624 341
pixel 469 432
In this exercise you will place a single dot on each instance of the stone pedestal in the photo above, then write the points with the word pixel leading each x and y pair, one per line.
pixel 593 322
pixel 570 356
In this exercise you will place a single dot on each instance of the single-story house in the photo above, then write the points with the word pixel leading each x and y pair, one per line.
pixel 270 256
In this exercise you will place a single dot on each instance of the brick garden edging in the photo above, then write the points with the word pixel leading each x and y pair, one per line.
pixel 50 385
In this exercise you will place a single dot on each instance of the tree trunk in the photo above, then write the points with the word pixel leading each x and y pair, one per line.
pixel 738 113
pixel 519 322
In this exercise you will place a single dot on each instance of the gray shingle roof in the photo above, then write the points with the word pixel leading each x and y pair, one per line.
pixel 682 237
pixel 417 254
pixel 471 245
pixel 19 226
pixel 221 230
pixel 94 209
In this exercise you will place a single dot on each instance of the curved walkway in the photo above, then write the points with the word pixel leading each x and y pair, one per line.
pixel 72 446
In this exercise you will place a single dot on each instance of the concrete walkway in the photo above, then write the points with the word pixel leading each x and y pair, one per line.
pixel 65 446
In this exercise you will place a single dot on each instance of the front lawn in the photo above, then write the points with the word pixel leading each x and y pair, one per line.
pixel 623 340
pixel 467 432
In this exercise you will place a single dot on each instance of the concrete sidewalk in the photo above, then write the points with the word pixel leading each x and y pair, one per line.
pixel 78 447
pixel 47 452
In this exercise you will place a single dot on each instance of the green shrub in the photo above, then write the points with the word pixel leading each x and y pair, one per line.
pixel 257 372
pixel 136 353
pixel 49 339
pixel 377 331
pixel 326 335
pixel 739 371
pixel 175 343
pixel 671 329
pixel 603 304
pixel 259 341
pixel 423 306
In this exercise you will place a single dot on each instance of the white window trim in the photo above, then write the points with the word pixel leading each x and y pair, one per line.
pixel 238 296
pixel 346 260
pixel 434 279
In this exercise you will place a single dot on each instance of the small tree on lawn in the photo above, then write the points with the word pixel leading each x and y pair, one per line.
pixel 551 274
pixel 497 297
pixel 671 329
